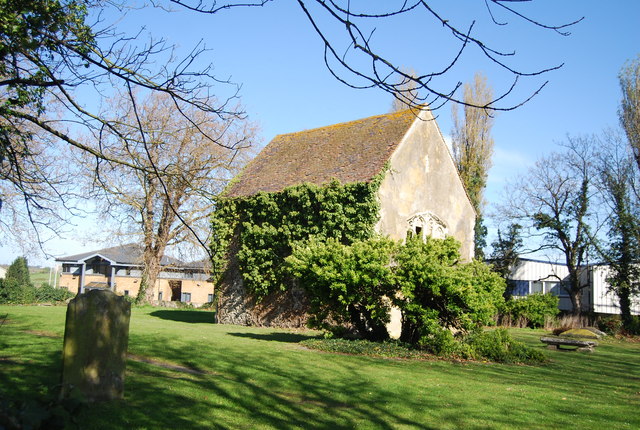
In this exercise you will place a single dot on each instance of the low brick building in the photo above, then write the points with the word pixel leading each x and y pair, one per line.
pixel 120 269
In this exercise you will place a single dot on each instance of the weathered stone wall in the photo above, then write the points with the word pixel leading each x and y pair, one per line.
pixel 423 179
pixel 95 345
pixel 286 309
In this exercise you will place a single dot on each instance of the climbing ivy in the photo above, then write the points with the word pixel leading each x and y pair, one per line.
pixel 263 229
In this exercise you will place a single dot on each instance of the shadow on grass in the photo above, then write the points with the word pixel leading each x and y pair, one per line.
pixel 244 383
pixel 257 391
pixel 275 337
pixel 188 316
pixel 29 364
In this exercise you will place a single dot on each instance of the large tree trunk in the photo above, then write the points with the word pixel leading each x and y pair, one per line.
pixel 624 296
pixel 575 288
pixel 576 301
pixel 149 277
pixel 156 239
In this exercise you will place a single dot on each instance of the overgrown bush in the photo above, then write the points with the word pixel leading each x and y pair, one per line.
pixel 131 300
pixel 46 293
pixel 12 292
pixel 534 309
pixel 612 325
pixel 438 294
pixel 347 284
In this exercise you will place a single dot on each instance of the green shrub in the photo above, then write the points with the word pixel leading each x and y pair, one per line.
pixel 14 293
pixel 441 342
pixel 498 345
pixel 437 293
pixel 47 294
pixel 634 327
pixel 130 299
pixel 534 308
pixel 357 284
pixel 347 284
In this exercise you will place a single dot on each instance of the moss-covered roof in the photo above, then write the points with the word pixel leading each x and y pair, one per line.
pixel 353 151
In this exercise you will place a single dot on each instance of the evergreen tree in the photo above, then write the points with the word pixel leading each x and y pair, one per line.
pixel 505 254
pixel 19 272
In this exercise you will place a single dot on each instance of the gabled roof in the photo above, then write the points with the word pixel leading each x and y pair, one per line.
pixel 124 254
pixel 350 152
pixel 203 264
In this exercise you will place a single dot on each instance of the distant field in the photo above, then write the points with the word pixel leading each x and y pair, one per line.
pixel 39 275
pixel 185 372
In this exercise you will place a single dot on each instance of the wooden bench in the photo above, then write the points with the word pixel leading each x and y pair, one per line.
pixel 582 345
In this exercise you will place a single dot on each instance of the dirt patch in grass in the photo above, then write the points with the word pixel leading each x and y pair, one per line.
pixel 167 365
pixel 43 333
pixel 10 360
pixel 630 339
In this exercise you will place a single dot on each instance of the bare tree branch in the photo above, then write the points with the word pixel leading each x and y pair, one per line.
pixel 379 71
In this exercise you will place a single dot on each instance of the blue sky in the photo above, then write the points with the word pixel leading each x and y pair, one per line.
pixel 277 58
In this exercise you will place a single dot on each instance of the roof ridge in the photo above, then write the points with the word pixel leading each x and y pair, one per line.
pixel 352 121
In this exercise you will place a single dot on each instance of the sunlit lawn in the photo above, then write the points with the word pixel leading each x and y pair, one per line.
pixel 190 373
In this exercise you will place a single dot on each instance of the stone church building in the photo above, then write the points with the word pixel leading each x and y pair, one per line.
pixel 421 190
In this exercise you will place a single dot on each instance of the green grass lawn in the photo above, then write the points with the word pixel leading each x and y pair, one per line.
pixel 191 373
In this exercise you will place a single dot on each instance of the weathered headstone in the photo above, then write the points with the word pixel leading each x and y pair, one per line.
pixel 95 345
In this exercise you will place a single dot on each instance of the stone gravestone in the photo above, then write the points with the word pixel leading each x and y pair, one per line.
pixel 95 345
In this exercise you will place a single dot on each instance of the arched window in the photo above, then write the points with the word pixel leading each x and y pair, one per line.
pixel 427 224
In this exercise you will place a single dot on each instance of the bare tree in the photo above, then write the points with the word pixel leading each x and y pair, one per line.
pixel 629 112
pixel 167 198
pixel 55 68
pixel 37 189
pixel 554 201
pixel 472 146
pixel 346 30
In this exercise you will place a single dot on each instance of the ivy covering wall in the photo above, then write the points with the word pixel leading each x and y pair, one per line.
pixel 264 228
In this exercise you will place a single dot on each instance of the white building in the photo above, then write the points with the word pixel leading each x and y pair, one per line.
pixel 537 276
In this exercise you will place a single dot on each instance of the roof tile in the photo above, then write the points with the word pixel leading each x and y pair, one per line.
pixel 353 151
